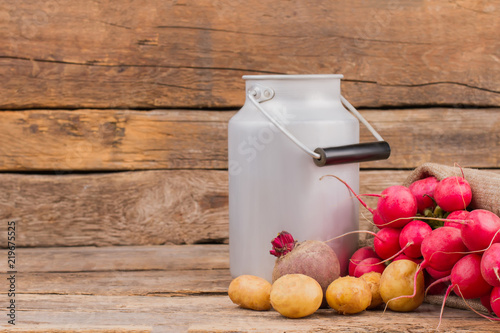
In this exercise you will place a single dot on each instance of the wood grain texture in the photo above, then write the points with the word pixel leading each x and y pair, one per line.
pixel 76 328
pixel 110 259
pixel 113 140
pixel 216 313
pixel 81 140
pixel 133 208
pixel 150 54
pixel 98 294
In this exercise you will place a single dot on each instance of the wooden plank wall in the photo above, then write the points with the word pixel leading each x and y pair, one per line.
pixel 113 115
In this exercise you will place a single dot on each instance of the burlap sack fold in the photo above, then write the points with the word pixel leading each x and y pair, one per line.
pixel 485 187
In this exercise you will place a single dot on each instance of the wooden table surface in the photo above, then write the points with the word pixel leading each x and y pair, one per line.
pixel 173 288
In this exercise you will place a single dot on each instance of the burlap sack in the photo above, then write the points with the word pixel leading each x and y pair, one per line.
pixel 485 195
pixel 485 185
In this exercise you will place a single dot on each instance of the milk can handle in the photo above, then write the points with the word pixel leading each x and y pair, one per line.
pixel 355 153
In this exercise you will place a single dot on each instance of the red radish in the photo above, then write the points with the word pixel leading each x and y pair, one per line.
pixel 456 219
pixel 377 219
pixel 369 265
pixel 403 256
pixel 466 280
pixel 397 206
pixel 360 255
pixel 437 274
pixel 480 230
pixel 495 300
pixel 490 265
pixel 466 276
pixel 434 288
pixel 413 233
pixel 442 248
pixel 453 193
pixel 486 302
pixel 494 304
pixel 386 243
pixel 423 190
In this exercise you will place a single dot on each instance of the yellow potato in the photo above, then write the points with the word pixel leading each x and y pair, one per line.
pixel 397 280
pixel 348 295
pixel 373 280
pixel 296 295
pixel 250 292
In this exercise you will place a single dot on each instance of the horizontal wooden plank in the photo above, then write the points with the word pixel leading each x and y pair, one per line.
pixel 123 270
pixel 217 314
pixel 130 208
pixel 76 328
pixel 107 259
pixel 92 140
pixel 112 140
pixel 131 283
pixel 134 208
pixel 152 54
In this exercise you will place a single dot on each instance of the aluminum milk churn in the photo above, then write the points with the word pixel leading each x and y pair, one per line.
pixel 276 162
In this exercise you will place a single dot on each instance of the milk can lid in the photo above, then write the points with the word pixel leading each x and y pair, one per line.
pixel 292 76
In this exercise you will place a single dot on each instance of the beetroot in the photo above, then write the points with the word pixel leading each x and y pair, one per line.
pixel 312 258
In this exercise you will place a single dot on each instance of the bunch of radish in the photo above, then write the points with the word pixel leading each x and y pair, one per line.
pixel 430 223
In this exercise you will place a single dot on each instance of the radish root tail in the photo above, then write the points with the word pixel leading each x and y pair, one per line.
pixel 415 278
pixel 450 288
pixel 352 191
pixel 474 310
pixel 444 279
pixel 353 232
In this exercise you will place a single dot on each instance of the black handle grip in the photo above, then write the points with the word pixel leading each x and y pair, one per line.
pixel 360 152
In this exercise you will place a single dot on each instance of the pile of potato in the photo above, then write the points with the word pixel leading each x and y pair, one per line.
pixel 299 295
